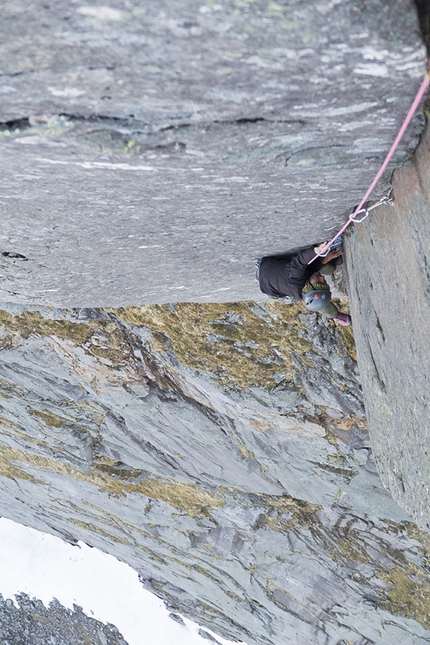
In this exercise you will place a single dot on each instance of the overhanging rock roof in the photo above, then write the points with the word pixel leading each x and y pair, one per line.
pixel 150 154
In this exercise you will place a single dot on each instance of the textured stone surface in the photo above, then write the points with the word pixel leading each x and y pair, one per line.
pixel 29 621
pixel 223 453
pixel 149 153
pixel 389 272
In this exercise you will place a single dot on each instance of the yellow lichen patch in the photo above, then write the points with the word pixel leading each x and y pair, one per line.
pixel 12 471
pixel 117 523
pixel 11 429
pixel 242 344
pixel 115 468
pixel 99 338
pixel 246 454
pixel 109 342
pixel 349 341
pixel 12 455
pixel 6 424
pixel 353 550
pixel 285 504
pixel 346 332
pixel 285 513
pixel 344 424
pixel 90 527
pixel 10 390
pixel 159 342
pixel 407 593
pixel 190 498
pixel 33 323
pixel 48 418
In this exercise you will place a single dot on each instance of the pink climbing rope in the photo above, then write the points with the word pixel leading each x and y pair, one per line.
pixel 412 110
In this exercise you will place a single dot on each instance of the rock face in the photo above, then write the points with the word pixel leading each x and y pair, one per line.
pixel 223 453
pixel 32 622
pixel 148 155
pixel 389 273
pixel 151 153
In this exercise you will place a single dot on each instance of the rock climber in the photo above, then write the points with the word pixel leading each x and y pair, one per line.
pixel 293 279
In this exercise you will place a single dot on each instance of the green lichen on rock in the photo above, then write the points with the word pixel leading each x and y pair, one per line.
pixel 9 390
pixel 242 344
pixel 115 468
pixel 406 586
pixel 127 388
pixel 285 513
pixel 189 498
pixel 49 418
pixel 101 338
pixel 34 323
pixel 245 453
pixel 95 529
pixel 9 469
pixel 406 590
pixel 407 593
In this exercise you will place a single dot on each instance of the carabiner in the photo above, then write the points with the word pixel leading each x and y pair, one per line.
pixel 362 210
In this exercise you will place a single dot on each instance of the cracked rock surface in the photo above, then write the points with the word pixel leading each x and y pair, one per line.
pixel 388 262
pixel 220 451
pixel 149 153
pixel 32 622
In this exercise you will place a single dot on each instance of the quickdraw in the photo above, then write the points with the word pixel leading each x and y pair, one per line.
pixel 387 199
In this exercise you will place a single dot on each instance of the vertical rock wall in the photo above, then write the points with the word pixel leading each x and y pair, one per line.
pixel 388 258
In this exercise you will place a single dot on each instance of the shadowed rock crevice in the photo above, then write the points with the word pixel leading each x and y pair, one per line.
pixel 115 137
pixel 423 10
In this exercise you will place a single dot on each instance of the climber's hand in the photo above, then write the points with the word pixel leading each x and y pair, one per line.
pixel 332 255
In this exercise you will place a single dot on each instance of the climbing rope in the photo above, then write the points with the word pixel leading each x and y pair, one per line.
pixel 387 199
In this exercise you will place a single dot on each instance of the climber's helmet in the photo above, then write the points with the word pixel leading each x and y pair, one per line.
pixel 317 299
